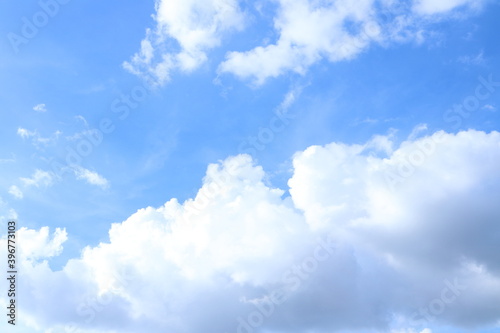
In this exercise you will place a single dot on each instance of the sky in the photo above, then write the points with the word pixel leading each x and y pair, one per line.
pixel 251 166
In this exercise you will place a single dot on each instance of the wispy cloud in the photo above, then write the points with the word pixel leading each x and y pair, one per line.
pixel 416 131
pixel 477 59
pixel 439 7
pixel 40 108
pixel 36 139
pixel 25 134
pixel 8 160
pixel 16 192
pixel 83 120
pixel 91 177
pixel 39 178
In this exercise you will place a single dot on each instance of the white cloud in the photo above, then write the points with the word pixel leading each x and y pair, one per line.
pixel 202 264
pixel 416 131
pixel 91 177
pixel 40 108
pixel 411 330
pixel 39 244
pixel 16 192
pixel 83 120
pixel 195 27
pixel 290 98
pixel 431 7
pixel 36 139
pixel 12 159
pixel 39 178
pixel 310 31
pixel 477 59
pixel 25 134
pixel 6 214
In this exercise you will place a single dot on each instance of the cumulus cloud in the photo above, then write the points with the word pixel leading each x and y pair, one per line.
pixel 185 31
pixel 346 249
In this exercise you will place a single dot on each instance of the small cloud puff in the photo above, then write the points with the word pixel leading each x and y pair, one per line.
pixel 91 177
pixel 16 192
pixel 39 178
pixel 40 108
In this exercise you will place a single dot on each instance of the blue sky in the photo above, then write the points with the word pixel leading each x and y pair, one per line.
pixel 280 81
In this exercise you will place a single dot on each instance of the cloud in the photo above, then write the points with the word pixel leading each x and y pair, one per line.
pixel 417 130
pixel 192 28
pixel 477 59
pixel 389 253
pixel 37 140
pixel 91 177
pixel 6 213
pixel 411 330
pixel 40 108
pixel 310 31
pixel 431 7
pixel 290 98
pixel 25 134
pixel 12 159
pixel 39 178
pixel 83 120
pixel 15 192
pixel 38 244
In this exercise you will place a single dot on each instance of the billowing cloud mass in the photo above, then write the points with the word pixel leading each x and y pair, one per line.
pixel 394 237
pixel 307 31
